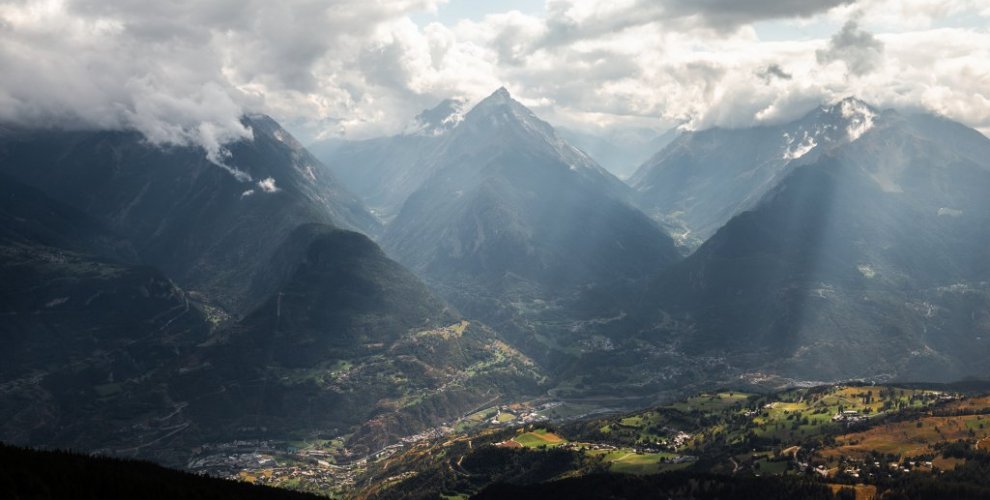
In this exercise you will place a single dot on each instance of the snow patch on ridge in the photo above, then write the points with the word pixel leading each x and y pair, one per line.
pixel 859 116
pixel 794 150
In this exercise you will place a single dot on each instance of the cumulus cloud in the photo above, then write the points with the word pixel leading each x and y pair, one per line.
pixel 70 70
pixel 185 72
pixel 774 71
pixel 181 73
pixel 857 48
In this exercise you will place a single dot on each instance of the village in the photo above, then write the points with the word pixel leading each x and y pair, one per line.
pixel 317 467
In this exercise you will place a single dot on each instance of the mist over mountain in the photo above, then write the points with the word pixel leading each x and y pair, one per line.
pixel 384 171
pixel 620 151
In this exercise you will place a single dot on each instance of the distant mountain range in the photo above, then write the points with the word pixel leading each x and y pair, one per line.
pixel 385 171
pixel 621 150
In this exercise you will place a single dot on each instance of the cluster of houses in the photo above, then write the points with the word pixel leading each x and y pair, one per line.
pixel 262 462
pixel 322 478
pixel 519 415
pixel 848 416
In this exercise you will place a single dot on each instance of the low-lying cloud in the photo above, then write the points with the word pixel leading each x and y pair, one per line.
pixel 181 73
pixel 774 71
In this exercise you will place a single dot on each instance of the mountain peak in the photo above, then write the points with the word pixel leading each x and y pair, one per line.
pixel 499 98
pixel 501 93
pixel 852 114
pixel 853 101
pixel 500 110
pixel 439 119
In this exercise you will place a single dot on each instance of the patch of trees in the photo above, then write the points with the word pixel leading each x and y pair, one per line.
pixel 519 466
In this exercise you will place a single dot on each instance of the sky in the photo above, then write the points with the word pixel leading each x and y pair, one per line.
pixel 185 71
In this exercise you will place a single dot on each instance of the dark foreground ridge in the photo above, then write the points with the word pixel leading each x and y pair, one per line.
pixel 35 474
pixel 681 485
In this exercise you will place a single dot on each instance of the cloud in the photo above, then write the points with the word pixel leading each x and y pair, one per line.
pixel 72 71
pixel 857 48
pixel 732 13
pixel 185 72
pixel 181 73
pixel 572 20
pixel 774 71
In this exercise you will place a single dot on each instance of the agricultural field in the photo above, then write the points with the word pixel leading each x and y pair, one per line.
pixel 921 436
pixel 538 438
pixel 631 461
pixel 712 403
pixel 804 414
pixel 734 418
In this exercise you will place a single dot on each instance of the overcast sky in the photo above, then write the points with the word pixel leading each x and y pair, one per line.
pixel 184 71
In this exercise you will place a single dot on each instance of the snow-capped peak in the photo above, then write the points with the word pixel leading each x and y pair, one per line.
pixel 501 94
pixel 438 120
pixel 829 126
pixel 859 117
pixel 499 116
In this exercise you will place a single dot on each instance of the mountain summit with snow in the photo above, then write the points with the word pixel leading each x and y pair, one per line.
pixel 699 181
pixel 500 122
pixel 439 119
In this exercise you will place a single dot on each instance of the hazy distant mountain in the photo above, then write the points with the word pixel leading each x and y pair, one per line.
pixel 440 119
pixel 867 259
pixel 384 171
pixel 620 151
pixel 702 179
pixel 512 210
pixel 203 226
